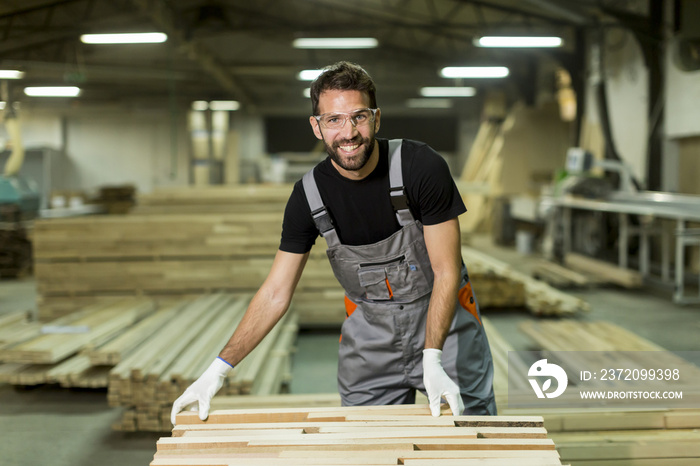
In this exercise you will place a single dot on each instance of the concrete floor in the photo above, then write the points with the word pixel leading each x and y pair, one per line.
pixel 62 427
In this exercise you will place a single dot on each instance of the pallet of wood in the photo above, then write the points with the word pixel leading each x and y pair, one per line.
pixel 540 298
pixel 214 199
pixel 36 353
pixel 79 260
pixel 148 380
pixel 354 435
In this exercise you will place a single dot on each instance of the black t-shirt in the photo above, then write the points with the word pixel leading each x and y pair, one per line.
pixel 361 210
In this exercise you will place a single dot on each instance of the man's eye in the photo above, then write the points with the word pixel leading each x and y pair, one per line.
pixel 360 117
pixel 332 119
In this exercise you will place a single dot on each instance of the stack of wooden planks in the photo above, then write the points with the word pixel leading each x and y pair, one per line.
pixel 34 353
pixel 370 435
pixel 149 379
pixel 250 198
pixel 145 354
pixel 80 260
pixel 618 436
pixel 537 296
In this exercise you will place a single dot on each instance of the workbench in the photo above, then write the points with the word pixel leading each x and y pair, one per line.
pixel 649 206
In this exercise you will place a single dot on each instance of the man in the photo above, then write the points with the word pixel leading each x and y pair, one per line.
pixel 388 211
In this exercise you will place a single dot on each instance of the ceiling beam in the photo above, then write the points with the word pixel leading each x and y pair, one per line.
pixel 162 16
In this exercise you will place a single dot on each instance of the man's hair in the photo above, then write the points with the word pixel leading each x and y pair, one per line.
pixel 343 76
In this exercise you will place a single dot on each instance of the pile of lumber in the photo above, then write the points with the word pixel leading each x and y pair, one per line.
pixel 513 156
pixel 33 353
pixel 79 260
pixel 540 298
pixel 616 436
pixel 149 379
pixel 145 354
pixel 354 435
pixel 214 199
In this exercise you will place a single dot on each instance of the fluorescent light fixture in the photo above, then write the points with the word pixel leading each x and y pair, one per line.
pixel 429 103
pixel 336 43
pixel 224 105
pixel 308 75
pixel 125 38
pixel 11 74
pixel 200 105
pixel 515 41
pixel 307 92
pixel 52 91
pixel 474 72
pixel 457 91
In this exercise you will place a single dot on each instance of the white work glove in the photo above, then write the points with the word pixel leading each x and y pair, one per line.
pixel 438 384
pixel 202 390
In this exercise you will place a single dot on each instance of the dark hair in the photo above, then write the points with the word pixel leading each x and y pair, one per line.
pixel 343 76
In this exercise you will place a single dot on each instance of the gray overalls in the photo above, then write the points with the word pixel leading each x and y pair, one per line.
pixel 388 286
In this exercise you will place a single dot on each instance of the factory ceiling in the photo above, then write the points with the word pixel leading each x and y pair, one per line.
pixel 242 49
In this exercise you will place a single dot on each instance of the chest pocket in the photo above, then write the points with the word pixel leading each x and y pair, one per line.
pixel 403 277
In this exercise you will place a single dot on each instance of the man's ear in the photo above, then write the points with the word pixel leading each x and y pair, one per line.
pixel 314 126
pixel 377 118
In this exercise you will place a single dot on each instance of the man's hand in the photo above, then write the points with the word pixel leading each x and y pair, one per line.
pixel 438 384
pixel 203 389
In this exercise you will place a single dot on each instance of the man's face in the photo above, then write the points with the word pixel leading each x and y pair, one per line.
pixel 351 146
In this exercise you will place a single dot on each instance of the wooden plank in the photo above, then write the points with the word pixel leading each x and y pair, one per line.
pixel 604 271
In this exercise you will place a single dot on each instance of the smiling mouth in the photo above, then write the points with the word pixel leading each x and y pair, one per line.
pixel 349 147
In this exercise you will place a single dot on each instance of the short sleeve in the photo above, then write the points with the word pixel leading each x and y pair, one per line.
pixel 431 188
pixel 299 232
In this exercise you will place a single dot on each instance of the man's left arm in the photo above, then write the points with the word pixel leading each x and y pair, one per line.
pixel 443 243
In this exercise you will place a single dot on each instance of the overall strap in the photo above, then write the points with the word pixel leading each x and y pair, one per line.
pixel 318 211
pixel 397 190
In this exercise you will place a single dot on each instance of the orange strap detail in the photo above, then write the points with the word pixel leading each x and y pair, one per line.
pixel 467 300
pixel 349 309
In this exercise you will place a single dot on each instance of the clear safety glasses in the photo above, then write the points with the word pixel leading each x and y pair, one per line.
pixel 360 117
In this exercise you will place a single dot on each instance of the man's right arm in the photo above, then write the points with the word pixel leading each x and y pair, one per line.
pixel 265 309
pixel 267 306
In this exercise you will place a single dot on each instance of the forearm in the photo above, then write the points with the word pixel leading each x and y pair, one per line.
pixel 267 306
pixel 263 312
pixel 441 308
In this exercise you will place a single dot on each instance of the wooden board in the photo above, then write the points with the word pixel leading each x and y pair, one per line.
pixel 354 435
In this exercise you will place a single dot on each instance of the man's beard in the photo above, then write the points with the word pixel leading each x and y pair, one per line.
pixel 355 162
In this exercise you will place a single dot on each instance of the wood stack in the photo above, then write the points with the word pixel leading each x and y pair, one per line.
pixel 539 297
pixel 214 200
pixel 35 353
pixel 145 357
pixel 79 260
pixel 617 436
pixel 515 156
pixel 354 435
pixel 149 379
pixel 117 199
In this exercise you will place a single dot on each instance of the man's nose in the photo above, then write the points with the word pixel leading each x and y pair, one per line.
pixel 349 127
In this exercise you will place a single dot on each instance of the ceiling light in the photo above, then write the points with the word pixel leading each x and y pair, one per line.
pixel 474 72
pixel 52 91
pixel 336 43
pixel 503 41
pixel 447 91
pixel 308 75
pixel 125 38
pixel 11 74
pixel 429 103
pixel 225 105
pixel 200 105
